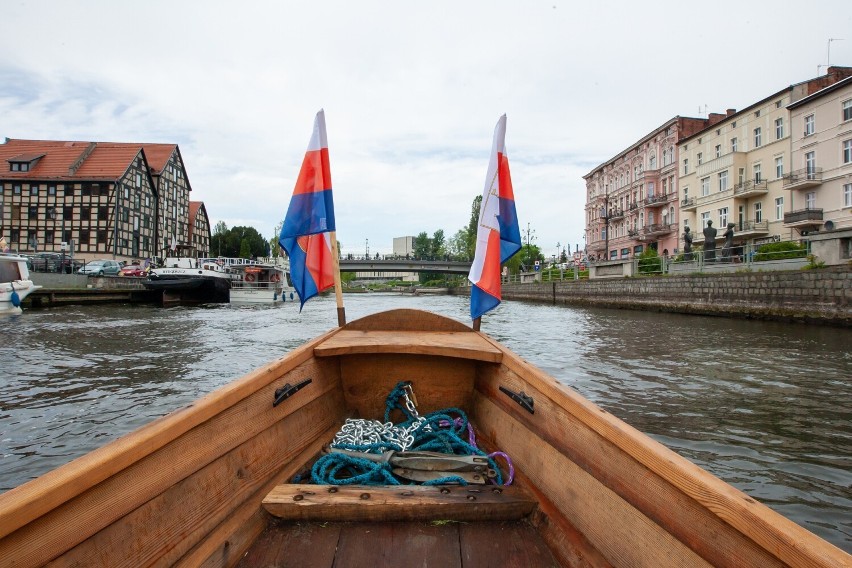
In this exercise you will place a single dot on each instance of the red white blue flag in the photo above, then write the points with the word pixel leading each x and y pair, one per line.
pixel 498 236
pixel 310 217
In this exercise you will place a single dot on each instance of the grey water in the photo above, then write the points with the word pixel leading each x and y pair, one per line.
pixel 763 405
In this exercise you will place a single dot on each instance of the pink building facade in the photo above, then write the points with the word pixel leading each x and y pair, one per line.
pixel 632 199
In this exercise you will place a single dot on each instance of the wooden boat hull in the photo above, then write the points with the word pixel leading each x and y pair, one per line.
pixel 188 489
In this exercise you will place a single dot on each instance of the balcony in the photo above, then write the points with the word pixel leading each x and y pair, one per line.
pixel 751 188
pixel 615 214
pixel 655 200
pixel 632 233
pixel 803 179
pixel 803 218
pixel 751 229
pixel 658 229
pixel 688 203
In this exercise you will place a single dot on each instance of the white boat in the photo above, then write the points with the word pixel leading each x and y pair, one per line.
pixel 264 281
pixel 184 279
pixel 15 283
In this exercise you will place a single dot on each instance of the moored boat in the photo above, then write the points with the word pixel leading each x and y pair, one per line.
pixel 221 482
pixel 184 279
pixel 259 281
pixel 15 283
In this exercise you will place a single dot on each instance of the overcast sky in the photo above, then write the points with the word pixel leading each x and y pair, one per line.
pixel 411 91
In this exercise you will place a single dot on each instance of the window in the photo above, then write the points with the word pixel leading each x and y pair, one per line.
pixel 757 137
pixel 847 195
pixel 704 218
pixel 705 186
pixel 734 144
pixel 847 110
pixel 51 189
pixel 779 208
pixel 138 180
pixel 34 189
pixel 779 167
pixel 723 180
pixel 847 151
pixel 126 192
pixel 33 213
pixel 758 212
pixel 685 166
pixel 85 213
pixel 757 173
pixel 810 200
pixel 723 217
pixel 16 189
pixel 103 213
pixel 779 128
pixel 810 164
pixel 700 158
pixel 652 162
pixel 84 236
pixel 809 125
pixel 718 150
pixel 48 237
pixel 741 177
pixel 67 212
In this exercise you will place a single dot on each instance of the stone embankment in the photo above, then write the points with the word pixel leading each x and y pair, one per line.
pixel 822 296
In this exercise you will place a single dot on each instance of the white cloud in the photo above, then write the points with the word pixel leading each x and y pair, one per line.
pixel 411 93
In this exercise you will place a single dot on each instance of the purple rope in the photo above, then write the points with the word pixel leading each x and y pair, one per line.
pixel 509 463
pixel 472 437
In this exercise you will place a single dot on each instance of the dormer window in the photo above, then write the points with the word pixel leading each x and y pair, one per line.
pixel 24 162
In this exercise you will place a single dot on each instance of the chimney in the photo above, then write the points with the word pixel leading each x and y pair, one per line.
pixel 72 169
pixel 731 112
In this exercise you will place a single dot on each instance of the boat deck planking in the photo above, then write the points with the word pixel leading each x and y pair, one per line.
pixel 509 544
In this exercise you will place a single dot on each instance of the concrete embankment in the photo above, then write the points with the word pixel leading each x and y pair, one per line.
pixel 822 296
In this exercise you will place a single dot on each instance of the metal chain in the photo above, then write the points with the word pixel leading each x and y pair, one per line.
pixel 362 432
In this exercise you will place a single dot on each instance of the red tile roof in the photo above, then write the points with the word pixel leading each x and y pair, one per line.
pixel 82 160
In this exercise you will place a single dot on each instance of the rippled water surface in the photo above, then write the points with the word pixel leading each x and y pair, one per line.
pixel 765 406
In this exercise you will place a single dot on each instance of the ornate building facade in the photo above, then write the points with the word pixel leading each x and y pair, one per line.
pixel 631 199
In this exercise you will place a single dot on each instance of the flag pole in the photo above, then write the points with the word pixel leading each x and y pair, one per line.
pixel 476 323
pixel 338 289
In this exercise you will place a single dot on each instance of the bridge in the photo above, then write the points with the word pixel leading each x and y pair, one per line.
pixel 404 265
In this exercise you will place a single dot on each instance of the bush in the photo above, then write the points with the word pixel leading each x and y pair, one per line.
pixel 650 262
pixel 780 251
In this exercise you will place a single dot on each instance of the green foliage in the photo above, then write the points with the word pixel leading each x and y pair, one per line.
pixel 814 263
pixel 779 251
pixel 230 243
pixel 650 262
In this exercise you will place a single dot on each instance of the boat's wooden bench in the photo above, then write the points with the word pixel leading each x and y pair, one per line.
pixel 465 345
pixel 398 502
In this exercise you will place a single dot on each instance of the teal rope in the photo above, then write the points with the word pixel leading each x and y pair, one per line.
pixel 441 431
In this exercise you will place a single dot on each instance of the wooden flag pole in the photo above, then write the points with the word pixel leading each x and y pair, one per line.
pixel 338 288
pixel 476 323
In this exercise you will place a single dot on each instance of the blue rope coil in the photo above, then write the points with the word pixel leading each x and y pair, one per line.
pixel 440 431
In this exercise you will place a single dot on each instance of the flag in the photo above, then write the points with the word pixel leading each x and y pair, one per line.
pixel 498 236
pixel 310 217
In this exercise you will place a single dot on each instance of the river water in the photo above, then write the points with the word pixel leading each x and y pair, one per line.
pixel 765 406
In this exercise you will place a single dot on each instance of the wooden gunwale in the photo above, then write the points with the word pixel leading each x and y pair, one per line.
pixel 25 503
pixel 780 537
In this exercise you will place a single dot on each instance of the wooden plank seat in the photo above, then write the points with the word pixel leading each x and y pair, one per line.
pixel 398 502
pixel 461 344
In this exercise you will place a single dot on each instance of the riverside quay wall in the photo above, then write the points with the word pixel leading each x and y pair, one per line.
pixel 822 296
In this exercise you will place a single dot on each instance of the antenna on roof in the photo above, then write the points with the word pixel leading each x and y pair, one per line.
pixel 828 53
pixel 702 109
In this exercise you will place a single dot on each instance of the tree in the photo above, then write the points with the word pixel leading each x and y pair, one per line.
pixel 457 245
pixel 438 251
pixel 422 246
pixel 229 243
pixel 274 247
pixel 473 226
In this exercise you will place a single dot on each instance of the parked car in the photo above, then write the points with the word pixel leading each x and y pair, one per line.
pixel 100 268
pixel 51 262
pixel 132 270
